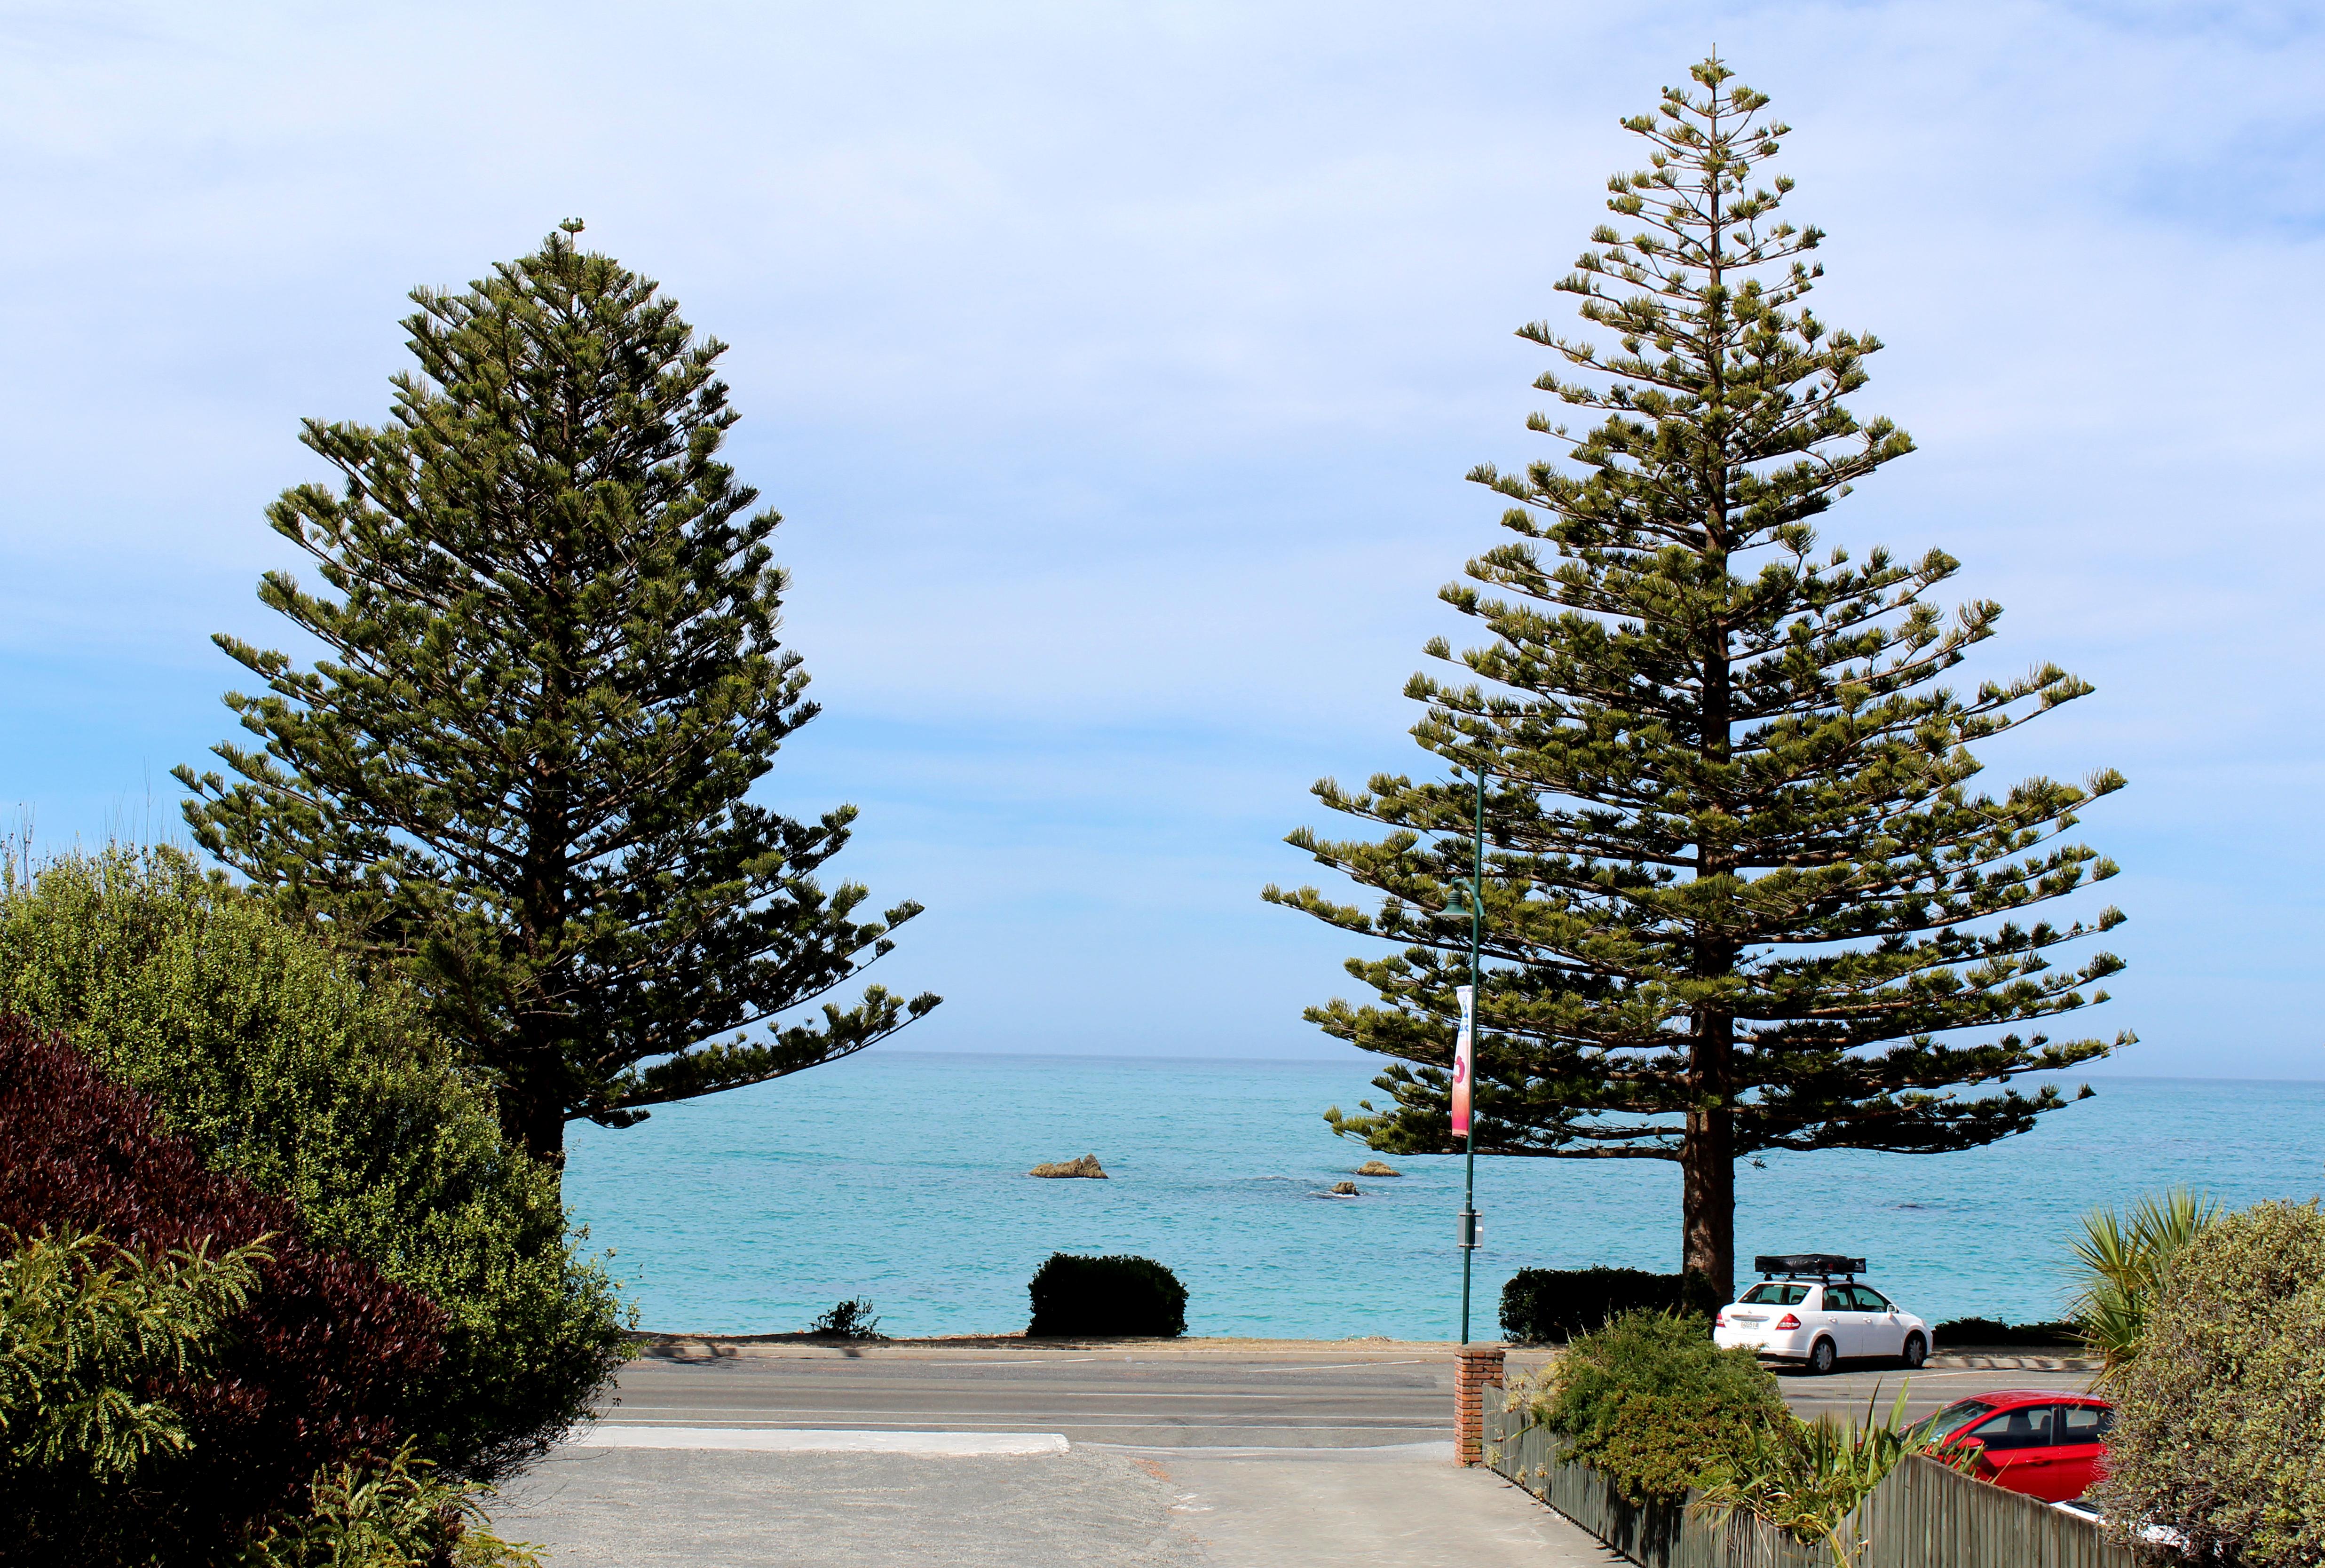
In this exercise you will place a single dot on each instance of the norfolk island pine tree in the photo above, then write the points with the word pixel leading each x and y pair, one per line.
pixel 1740 892
pixel 552 675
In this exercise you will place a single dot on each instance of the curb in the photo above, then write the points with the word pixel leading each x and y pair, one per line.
pixel 2007 1360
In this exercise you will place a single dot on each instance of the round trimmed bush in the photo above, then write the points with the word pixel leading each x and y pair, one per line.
pixel 1105 1298
pixel 1649 1400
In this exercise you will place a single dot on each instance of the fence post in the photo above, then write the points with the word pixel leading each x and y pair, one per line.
pixel 1480 1368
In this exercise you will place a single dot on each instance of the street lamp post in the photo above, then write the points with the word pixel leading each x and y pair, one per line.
pixel 1465 1066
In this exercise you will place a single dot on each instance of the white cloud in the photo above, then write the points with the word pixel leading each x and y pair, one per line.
pixel 1117 366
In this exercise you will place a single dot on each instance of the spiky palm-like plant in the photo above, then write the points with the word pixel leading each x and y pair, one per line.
pixel 2121 1261
pixel 1807 1477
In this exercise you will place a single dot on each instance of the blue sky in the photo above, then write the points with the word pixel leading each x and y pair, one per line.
pixel 1116 366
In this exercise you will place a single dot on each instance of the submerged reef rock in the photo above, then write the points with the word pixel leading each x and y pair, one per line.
pixel 1087 1166
pixel 1377 1168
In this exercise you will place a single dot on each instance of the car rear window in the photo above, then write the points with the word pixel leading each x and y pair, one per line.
pixel 2084 1423
pixel 1768 1293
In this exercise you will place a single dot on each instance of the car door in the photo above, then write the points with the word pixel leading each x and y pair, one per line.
pixel 1885 1331
pixel 2018 1453
pixel 2079 1444
pixel 1849 1325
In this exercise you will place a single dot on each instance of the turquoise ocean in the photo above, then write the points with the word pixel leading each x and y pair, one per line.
pixel 900 1176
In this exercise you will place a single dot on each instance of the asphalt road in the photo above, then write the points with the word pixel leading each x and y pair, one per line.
pixel 1164 1397
pixel 1848 1391
pixel 1161 1398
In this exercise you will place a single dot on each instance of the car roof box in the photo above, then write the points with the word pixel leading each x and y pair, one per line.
pixel 1809 1263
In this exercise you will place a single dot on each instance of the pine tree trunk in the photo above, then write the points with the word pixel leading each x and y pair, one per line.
pixel 537 1122
pixel 1708 1203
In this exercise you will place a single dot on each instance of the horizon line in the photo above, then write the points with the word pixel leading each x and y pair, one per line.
pixel 1330 1062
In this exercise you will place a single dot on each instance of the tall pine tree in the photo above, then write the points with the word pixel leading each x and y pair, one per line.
pixel 1740 892
pixel 552 676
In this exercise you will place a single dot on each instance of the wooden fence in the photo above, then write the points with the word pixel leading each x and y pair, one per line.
pixel 1923 1516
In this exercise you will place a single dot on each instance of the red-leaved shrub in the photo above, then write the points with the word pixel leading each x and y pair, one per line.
pixel 317 1366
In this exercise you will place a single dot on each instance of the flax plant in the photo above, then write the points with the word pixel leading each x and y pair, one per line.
pixel 2121 1262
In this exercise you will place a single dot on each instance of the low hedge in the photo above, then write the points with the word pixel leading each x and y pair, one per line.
pixel 1550 1305
pixel 1095 1297
pixel 1955 1332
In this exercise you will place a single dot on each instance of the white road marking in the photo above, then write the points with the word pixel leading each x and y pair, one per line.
pixel 774 1423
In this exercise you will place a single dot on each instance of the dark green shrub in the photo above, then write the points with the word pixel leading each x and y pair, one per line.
pixel 2219 1429
pixel 1959 1332
pixel 850 1320
pixel 1543 1306
pixel 1652 1402
pixel 254 1042
pixel 1095 1297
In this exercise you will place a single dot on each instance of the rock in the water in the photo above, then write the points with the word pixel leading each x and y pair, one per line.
pixel 1343 1190
pixel 1377 1168
pixel 1087 1166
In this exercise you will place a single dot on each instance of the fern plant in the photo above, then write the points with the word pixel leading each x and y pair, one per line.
pixel 396 1512
pixel 86 1329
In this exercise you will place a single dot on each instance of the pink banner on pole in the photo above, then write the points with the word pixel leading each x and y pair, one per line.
pixel 1463 1060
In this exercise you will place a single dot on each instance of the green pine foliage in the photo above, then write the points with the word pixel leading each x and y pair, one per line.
pixel 553 675
pixel 254 1041
pixel 1742 892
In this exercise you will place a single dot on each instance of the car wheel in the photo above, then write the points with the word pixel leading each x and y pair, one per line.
pixel 1917 1351
pixel 1822 1357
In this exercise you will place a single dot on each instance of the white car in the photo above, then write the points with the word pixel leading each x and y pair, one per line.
pixel 1818 1314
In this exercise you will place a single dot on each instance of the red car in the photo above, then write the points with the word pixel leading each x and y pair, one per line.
pixel 2036 1441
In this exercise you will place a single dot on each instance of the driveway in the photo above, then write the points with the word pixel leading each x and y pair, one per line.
pixel 1174 1454
pixel 1087 1507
